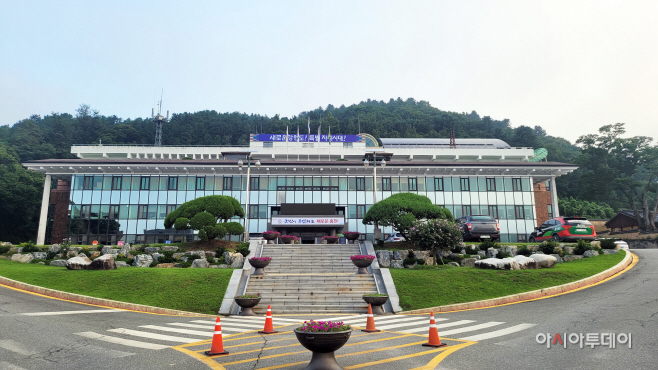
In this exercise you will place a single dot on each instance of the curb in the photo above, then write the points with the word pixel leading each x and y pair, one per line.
pixel 535 294
pixel 77 298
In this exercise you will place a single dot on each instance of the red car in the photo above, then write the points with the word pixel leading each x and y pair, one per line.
pixel 564 229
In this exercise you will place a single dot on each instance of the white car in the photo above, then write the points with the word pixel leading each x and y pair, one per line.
pixel 622 244
pixel 395 237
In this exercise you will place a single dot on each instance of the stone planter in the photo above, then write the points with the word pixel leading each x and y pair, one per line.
pixel 331 239
pixel 362 265
pixel 287 240
pixel 323 345
pixel 259 265
pixel 376 303
pixel 270 237
pixel 247 305
pixel 351 237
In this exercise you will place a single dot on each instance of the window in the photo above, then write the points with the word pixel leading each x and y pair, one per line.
pixel 347 145
pixel 360 211
pixel 466 210
pixel 145 183
pixel 171 208
pixel 493 212
pixel 142 211
pixel 114 212
pixel 88 183
pixel 253 211
pixel 85 211
pixel 550 211
pixel 200 183
pixel 255 183
pixel 465 184
pixel 548 185
pixel 172 183
pixel 438 184
pixel 228 183
pixel 268 144
pixel 518 212
pixel 520 238
pixel 516 185
pixel 491 184
pixel 360 183
pixel 413 184
pixel 386 184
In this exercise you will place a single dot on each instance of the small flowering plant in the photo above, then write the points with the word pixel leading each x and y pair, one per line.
pixel 435 235
pixel 352 235
pixel 271 234
pixel 288 238
pixel 329 237
pixel 358 257
pixel 248 296
pixel 268 259
pixel 323 326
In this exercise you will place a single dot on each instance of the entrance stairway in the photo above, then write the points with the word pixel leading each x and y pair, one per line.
pixel 311 278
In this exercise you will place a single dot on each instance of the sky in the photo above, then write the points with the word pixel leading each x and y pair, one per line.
pixel 568 66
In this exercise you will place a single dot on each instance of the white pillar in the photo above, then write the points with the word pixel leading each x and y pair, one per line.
pixel 556 210
pixel 43 218
pixel 246 211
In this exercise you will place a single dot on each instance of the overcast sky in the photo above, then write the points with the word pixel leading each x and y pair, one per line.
pixel 568 66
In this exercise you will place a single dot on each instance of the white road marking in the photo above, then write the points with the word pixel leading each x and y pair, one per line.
pixel 121 341
pixel 390 319
pixel 446 325
pixel 212 328
pixel 343 318
pixel 470 328
pixel 232 323
pixel 145 334
pixel 7 366
pixel 498 333
pixel 21 349
pixel 181 331
pixel 53 313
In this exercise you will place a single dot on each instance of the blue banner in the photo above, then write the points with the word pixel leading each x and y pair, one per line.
pixel 307 138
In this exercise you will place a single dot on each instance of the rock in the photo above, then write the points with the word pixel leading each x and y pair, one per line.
pixel 411 265
pixel 557 257
pixel 610 251
pixel 171 248
pixel 482 254
pixel 498 264
pixel 104 262
pixel 227 257
pixel 396 264
pixel 80 262
pixel 106 249
pixel 568 250
pixel 142 260
pixel 222 266
pixel 455 256
pixel 590 253
pixel 384 258
pixel 151 250
pixel 76 249
pixel 476 256
pixel 125 250
pixel 400 255
pixel 202 254
pixel 422 254
pixel 168 265
pixel 544 261
pixel 200 263
pixel 595 243
pixel 156 256
pixel 429 261
pixel 526 263
pixel 71 254
pixel 236 262
pixel 572 257
pixel 510 249
pixel 54 248
pixel 22 258
pixel 58 263
pixel 121 264
pixel 468 262
pixel 533 248
pixel 455 264
pixel 558 249
pixel 492 252
pixel 16 249
pixel 95 254
pixel 184 259
pixel 6 244
pixel 42 263
pixel 40 255
pixel 209 253
pixel 177 256
pixel 539 252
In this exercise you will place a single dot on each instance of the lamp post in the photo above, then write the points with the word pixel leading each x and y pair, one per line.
pixel 246 213
pixel 374 172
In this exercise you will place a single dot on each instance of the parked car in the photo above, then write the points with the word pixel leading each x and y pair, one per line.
pixel 395 237
pixel 622 244
pixel 563 229
pixel 478 227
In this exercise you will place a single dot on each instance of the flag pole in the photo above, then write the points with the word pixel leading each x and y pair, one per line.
pixel 286 142
pixel 297 146
pixel 329 143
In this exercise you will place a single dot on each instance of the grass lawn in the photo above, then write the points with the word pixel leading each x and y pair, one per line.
pixel 425 288
pixel 195 290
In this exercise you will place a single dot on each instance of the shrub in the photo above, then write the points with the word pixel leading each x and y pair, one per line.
pixel 154 263
pixel 380 243
pixel 233 228
pixel 435 235
pixel 548 246
pixel 503 254
pixel 28 247
pixel 581 247
pixel 243 249
pixel 471 249
pixel 488 243
pixel 210 259
pixel 185 264
pixel 4 249
pixel 50 255
pixel 167 257
pixel 524 251
pixel 608 244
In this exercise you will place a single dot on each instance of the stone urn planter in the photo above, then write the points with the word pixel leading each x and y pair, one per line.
pixel 260 263
pixel 351 236
pixel 247 302
pixel 330 239
pixel 271 236
pixel 288 239
pixel 376 302
pixel 362 261
pixel 323 345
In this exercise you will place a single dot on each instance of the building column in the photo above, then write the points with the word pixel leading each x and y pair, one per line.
pixel 43 218
pixel 556 210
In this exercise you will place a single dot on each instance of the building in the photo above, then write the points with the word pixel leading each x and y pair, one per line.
pixel 302 185
pixel 626 219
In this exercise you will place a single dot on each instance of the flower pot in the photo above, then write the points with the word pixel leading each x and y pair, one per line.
pixel 259 265
pixel 287 241
pixel 376 303
pixel 247 305
pixel 362 265
pixel 332 240
pixel 351 237
pixel 323 345
pixel 270 238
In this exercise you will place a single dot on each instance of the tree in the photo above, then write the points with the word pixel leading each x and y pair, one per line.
pixel 582 208
pixel 435 235
pixel 402 210
pixel 204 215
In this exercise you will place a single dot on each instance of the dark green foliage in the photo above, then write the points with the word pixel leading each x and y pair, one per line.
pixel 608 244
pixel 4 249
pixel 50 255
pixel 471 249
pixel 180 223
pixel 524 251
pixel 488 243
pixel 203 213
pixel 380 243
pixel 210 259
pixel 548 246
pixel 154 263
pixel 28 247
pixel 243 249
pixel 502 254
pixel 201 220
pixel 582 208
pixel 233 228
pixel 167 257
pixel 581 247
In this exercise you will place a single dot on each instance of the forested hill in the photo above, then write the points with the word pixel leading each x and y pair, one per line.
pixel 52 136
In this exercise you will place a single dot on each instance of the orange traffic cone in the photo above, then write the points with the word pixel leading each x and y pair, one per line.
pixel 217 347
pixel 269 328
pixel 370 323
pixel 434 341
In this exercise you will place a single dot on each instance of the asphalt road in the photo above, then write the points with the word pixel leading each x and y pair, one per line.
pixel 42 333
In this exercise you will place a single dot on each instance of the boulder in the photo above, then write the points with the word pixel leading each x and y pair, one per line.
pixel 40 255
pixel 422 254
pixel 401 254
pixel 568 250
pixel 498 264
pixel 610 251
pixel 227 257
pixel 492 252
pixel 455 264
pixel 397 264
pixel 455 256
pixel 482 254
pixel 558 249
pixel 58 263
pixel 177 256
pixel 104 262
pixel 6 244
pixel 95 254
pixel 533 248
pixel 590 253
pixel 16 249
pixel 221 266
pixel 557 257
pixel 151 250
pixel 526 263
pixel 544 261
pixel 200 263
pixel 156 256
pixel 142 260
pixel 71 254
pixel 125 250
pixel 184 259
pixel 237 261
pixel 539 252
pixel 80 262
pixel 76 249
pixel 106 249
pixel 168 265
pixel 201 254
pixel 22 258
pixel 121 264
pixel 384 258
pixel 572 257
pixel 54 248
pixel 429 261
pixel 510 249
pixel 468 262
pixel 171 248
pixel 595 243
pixel 476 256
pixel 210 253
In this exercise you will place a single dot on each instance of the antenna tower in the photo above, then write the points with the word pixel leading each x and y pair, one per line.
pixel 159 119
pixel 453 143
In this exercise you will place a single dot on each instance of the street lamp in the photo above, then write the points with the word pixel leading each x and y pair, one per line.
pixel 374 172
pixel 246 213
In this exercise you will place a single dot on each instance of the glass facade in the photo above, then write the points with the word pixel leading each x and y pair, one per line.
pixel 132 208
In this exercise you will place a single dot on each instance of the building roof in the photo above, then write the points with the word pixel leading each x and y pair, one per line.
pixel 439 142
